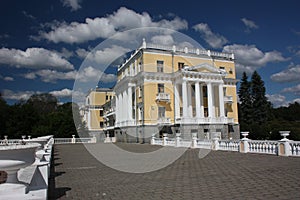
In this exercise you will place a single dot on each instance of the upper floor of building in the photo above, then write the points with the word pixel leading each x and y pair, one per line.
pixel 171 59
pixel 98 97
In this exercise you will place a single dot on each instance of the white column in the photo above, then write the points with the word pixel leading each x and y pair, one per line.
pixel 117 107
pixel 221 100
pixel 189 96
pixel 129 102
pixel 89 119
pixel 184 100
pixel 197 100
pixel 125 106
pixel 177 99
pixel 211 112
pixel 121 107
pixel 201 102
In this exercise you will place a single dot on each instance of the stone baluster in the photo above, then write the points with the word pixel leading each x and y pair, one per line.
pixel 284 145
pixel 152 140
pixel 194 140
pixel 215 142
pixel 73 139
pixel 165 137
pixel 178 140
pixel 244 144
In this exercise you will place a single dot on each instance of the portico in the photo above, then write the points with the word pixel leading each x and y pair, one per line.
pixel 200 97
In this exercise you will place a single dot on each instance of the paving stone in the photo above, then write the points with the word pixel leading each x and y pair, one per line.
pixel 76 174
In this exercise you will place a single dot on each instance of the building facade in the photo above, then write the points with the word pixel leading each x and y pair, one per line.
pixel 94 111
pixel 164 89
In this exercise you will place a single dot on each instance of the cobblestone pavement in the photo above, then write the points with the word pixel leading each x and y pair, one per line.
pixel 76 174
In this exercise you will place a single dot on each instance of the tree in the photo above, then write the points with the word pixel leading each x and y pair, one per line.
pixel 260 104
pixel 4 115
pixel 254 108
pixel 43 103
pixel 245 99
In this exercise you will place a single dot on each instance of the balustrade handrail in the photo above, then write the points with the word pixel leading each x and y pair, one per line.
pixel 281 147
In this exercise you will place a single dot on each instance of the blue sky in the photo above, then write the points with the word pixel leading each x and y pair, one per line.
pixel 43 43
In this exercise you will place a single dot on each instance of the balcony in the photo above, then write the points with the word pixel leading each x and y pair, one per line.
pixel 228 99
pixel 163 97
pixel 164 120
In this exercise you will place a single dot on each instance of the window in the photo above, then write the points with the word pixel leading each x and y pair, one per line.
pixel 101 124
pixel 161 112
pixel 180 65
pixel 205 112
pixel 140 91
pixel 161 88
pixel 160 66
pixel 101 113
pixel 106 97
pixel 204 91
pixel 222 69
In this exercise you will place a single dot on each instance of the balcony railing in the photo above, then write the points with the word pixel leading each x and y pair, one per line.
pixel 205 120
pixel 164 120
pixel 228 99
pixel 163 97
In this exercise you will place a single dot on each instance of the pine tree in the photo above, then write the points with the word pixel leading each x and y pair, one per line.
pixel 260 103
pixel 245 100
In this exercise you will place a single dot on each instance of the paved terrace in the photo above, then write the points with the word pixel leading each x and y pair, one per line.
pixel 76 174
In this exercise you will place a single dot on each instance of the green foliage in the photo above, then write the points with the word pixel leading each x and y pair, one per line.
pixel 260 104
pixel 245 107
pixel 39 115
pixel 257 116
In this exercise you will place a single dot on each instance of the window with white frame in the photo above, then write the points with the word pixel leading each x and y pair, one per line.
pixel 161 88
pixel 161 112
pixel 160 66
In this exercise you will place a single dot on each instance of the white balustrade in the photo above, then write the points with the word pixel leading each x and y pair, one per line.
pixel 164 120
pixel 295 148
pixel 229 145
pixel 284 147
pixel 170 142
pixel 30 159
pixel 163 97
pixel 204 144
pixel 260 146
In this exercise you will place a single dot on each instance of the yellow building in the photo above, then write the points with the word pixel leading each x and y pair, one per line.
pixel 93 115
pixel 164 89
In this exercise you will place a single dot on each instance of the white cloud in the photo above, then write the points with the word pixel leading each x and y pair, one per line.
pixel 291 74
pixel 249 24
pixel 277 100
pixel 85 75
pixel 105 56
pixel 90 73
pixel 6 78
pixel 295 90
pixel 214 40
pixel 104 27
pixel 65 53
pixel 4 36
pixel 62 93
pixel 73 4
pixel 24 95
pixel 163 39
pixel 52 76
pixel 67 93
pixel 250 58
pixel 28 15
pixel 35 58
